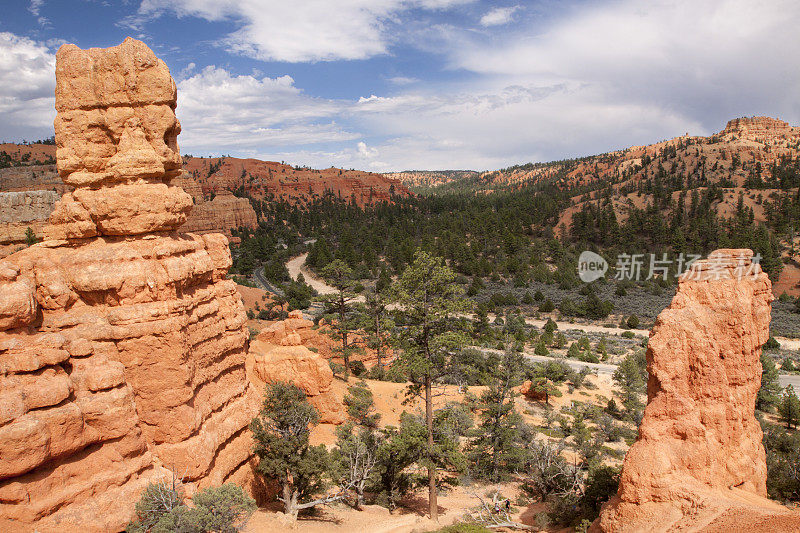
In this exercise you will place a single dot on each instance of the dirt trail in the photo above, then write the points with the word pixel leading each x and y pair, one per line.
pixel 297 265
pixel 589 328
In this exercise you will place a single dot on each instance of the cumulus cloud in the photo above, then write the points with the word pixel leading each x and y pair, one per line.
pixel 27 85
pixel 221 112
pixel 499 16
pixel 582 81
pixel 365 151
pixel 297 31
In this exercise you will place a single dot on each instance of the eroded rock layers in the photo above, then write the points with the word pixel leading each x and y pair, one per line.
pixel 698 464
pixel 279 354
pixel 122 343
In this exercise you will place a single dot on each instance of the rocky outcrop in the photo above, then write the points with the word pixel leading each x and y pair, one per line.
pixel 224 213
pixel 278 354
pixel 116 143
pixel 764 127
pixel 698 463
pixel 20 211
pixel 122 343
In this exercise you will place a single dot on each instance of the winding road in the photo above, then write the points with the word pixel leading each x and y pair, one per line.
pixel 297 265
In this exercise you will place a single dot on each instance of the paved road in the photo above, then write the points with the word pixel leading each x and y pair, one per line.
pixel 790 379
pixel 258 274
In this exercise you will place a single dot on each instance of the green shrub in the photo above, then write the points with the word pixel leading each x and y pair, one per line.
pixel 771 344
pixel 357 368
pixel 217 509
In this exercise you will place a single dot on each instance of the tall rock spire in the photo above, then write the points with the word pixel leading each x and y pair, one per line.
pixel 698 463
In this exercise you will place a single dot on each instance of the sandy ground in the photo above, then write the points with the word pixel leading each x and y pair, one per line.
pixel 252 296
pixel 411 517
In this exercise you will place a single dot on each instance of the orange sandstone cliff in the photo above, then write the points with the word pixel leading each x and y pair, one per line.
pixel 122 343
pixel 698 464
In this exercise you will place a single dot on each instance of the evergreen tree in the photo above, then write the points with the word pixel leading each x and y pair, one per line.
pixel 428 299
pixel 281 435
pixel 789 408
pixel 769 393
pixel 339 308
pixel 377 325
pixel 361 405
pixel 400 448
pixel 498 444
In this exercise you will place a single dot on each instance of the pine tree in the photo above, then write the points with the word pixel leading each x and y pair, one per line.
pixel 281 435
pixel 339 307
pixel 498 445
pixel 377 325
pixel 789 408
pixel 428 299
pixel 769 394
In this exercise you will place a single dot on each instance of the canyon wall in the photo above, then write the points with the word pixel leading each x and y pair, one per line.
pixel 698 463
pixel 122 343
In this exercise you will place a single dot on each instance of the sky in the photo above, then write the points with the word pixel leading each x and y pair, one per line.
pixel 387 85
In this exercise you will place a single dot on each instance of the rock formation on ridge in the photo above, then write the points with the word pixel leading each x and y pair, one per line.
pixel 122 343
pixel 20 211
pixel 698 464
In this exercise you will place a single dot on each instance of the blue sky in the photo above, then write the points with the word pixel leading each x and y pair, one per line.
pixel 424 84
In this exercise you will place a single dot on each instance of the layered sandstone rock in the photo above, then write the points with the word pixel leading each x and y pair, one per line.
pixel 116 143
pixel 278 354
pixel 224 213
pixel 122 343
pixel 763 127
pixel 20 211
pixel 698 464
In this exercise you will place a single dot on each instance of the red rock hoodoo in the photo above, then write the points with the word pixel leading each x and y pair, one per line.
pixel 279 354
pixel 698 464
pixel 122 343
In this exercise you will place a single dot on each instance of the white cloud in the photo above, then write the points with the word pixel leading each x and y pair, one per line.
pixel 402 80
pixel 723 56
pixel 186 71
pixel 27 85
pixel 297 31
pixel 365 151
pixel 35 9
pixel 35 6
pixel 499 16
pixel 221 113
